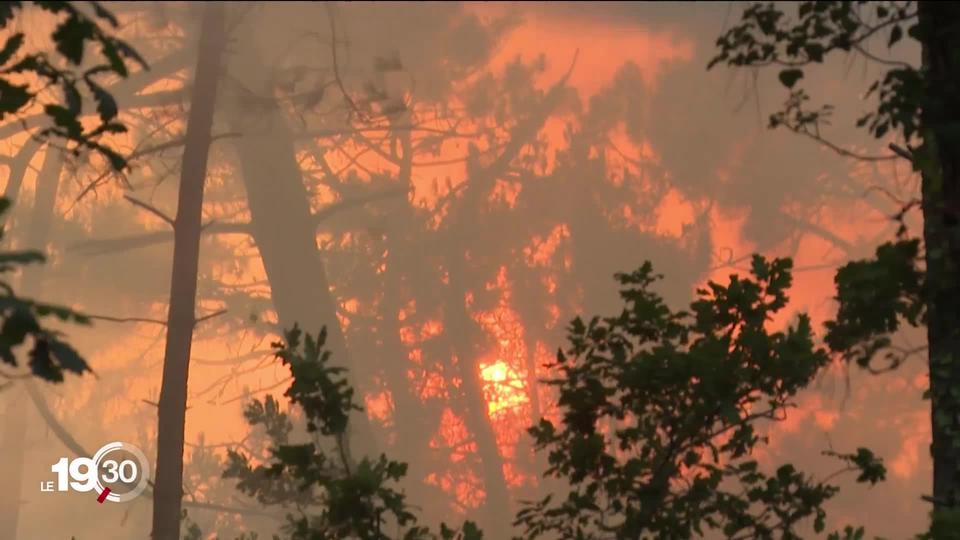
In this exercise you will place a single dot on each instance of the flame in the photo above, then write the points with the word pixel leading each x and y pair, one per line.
pixel 603 49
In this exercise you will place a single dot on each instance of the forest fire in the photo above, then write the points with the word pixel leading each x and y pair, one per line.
pixel 443 189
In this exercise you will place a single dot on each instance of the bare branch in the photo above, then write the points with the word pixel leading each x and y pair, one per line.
pixel 152 209
pixel 838 149
pixel 820 231
pixel 325 133
pixel 902 152
pixel 178 142
pixel 210 316
pixel 55 426
pixel 249 394
pixel 336 67
pixel 112 245
pixel 887 62
pixel 125 319
pixel 137 154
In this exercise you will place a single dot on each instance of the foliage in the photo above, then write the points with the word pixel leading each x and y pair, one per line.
pixel 875 296
pixel 49 355
pixel 660 411
pixel 70 37
pixel 878 295
pixel 333 496
pixel 767 36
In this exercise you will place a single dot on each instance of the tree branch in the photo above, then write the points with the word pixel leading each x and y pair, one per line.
pixel 336 68
pixel 838 149
pixel 125 319
pixel 210 316
pixel 902 152
pixel 113 245
pixel 152 209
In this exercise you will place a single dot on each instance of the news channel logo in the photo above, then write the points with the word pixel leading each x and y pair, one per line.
pixel 117 472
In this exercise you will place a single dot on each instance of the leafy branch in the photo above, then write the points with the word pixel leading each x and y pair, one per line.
pixel 327 494
pixel 70 38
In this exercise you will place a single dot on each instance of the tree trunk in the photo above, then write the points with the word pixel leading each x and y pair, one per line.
pixel 410 418
pixel 183 283
pixel 18 168
pixel 283 226
pixel 12 448
pixel 461 327
pixel 12 445
pixel 463 332
pixel 940 167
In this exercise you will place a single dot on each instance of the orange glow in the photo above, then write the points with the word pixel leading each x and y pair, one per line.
pixel 541 249
pixel 602 47
pixel 506 387
pixel 379 405
pixel 673 213
pixel 218 390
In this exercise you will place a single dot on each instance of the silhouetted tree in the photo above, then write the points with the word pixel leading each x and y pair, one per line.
pixel 910 281
pixel 181 318
pixel 50 356
pixel 685 394
pixel 328 493
pixel 23 79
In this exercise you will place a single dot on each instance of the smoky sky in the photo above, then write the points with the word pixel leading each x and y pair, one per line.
pixel 440 259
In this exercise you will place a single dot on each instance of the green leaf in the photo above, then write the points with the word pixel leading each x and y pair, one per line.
pixel 41 363
pixel 106 105
pixel 71 36
pixel 129 52
pixel 11 47
pixel 66 119
pixel 21 257
pixel 67 357
pixel 895 34
pixel 6 12
pixel 789 77
pixel 471 531
pixel 17 326
pixel 105 14
pixel 112 54
pixel 12 97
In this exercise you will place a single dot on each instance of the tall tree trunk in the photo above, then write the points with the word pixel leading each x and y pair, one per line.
pixel 17 421
pixel 409 415
pixel 462 327
pixel 940 167
pixel 13 449
pixel 282 224
pixel 464 335
pixel 183 284
pixel 18 167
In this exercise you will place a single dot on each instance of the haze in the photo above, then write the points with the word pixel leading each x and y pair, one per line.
pixel 490 169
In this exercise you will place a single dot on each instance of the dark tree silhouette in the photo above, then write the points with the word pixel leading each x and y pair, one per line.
pixel 910 281
pixel 50 356
pixel 181 318
pixel 23 77
pixel 682 396
pixel 328 494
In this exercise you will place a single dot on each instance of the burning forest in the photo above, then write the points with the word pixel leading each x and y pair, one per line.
pixel 409 270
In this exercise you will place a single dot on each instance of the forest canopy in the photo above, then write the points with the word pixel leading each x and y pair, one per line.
pixel 352 268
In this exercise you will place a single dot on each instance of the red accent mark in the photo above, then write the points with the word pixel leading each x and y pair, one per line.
pixel 103 496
